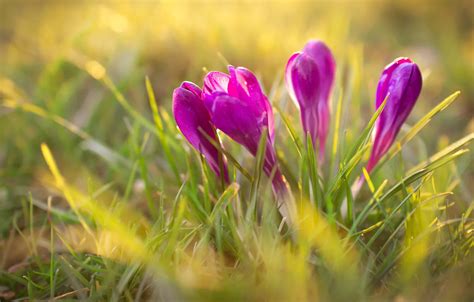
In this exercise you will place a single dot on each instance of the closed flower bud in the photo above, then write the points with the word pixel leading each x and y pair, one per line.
pixel 239 108
pixel 401 84
pixel 309 78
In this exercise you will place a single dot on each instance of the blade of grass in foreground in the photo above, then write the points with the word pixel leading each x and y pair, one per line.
pixel 441 158
pixel 354 155
pixel 159 126
pixel 251 214
pixel 390 264
pixel 335 137
pixel 446 151
pixel 291 131
pixel 401 224
pixel 364 137
pixel 315 179
pixel 228 155
pixel 369 206
pixel 218 215
pixel 350 201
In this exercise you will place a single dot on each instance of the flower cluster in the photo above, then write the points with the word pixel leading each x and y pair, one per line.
pixel 235 103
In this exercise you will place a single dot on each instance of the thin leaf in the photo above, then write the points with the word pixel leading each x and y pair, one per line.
pixel 415 129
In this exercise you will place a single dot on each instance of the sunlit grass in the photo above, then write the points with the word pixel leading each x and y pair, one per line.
pixel 101 198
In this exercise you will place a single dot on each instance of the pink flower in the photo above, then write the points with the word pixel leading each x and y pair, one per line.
pixel 309 79
pixel 401 81
pixel 240 109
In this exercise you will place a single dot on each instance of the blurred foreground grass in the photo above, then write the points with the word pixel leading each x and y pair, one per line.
pixel 116 192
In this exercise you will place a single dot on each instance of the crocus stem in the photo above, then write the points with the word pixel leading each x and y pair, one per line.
pixel 309 120
pixel 357 185
pixel 285 203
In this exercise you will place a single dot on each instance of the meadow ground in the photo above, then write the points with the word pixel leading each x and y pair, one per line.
pixel 102 199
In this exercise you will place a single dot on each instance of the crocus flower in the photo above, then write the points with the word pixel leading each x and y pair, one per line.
pixel 193 121
pixel 401 82
pixel 239 108
pixel 309 78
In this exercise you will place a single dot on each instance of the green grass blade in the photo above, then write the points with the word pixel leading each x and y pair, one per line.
pixel 415 129
pixel 291 130
pixel 229 156
pixel 365 135
pixel 335 137
pixel 257 176
pixel 159 130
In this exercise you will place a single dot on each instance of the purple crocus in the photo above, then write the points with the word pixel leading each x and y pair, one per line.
pixel 309 78
pixel 194 120
pixel 401 82
pixel 240 109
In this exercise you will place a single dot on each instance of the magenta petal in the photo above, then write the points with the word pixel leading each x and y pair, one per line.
pixel 248 85
pixel 191 87
pixel 323 128
pixel 401 81
pixel 288 77
pixel 236 119
pixel 324 59
pixel 244 85
pixel 215 81
pixel 305 80
pixel 191 115
pixel 382 88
